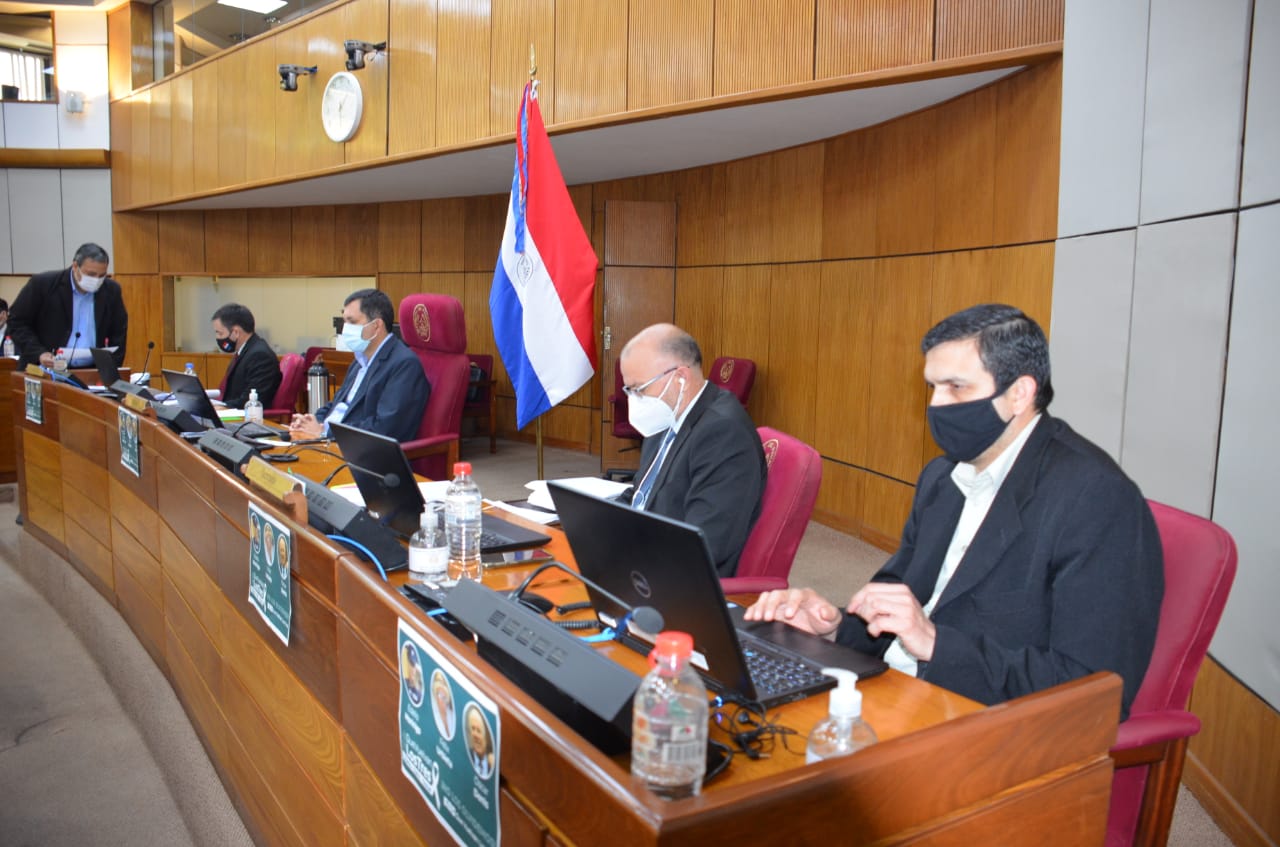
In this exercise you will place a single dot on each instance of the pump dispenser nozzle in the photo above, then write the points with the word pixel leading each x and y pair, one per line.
pixel 845 700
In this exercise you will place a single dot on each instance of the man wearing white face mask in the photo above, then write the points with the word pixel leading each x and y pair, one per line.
pixel 385 390
pixel 701 461
pixel 74 308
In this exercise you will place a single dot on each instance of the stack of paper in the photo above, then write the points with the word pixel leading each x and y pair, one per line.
pixel 593 485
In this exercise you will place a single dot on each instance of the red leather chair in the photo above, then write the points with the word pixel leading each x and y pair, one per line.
pixel 791 489
pixel 1199 567
pixel 293 373
pixel 435 330
pixel 734 375
pixel 480 396
pixel 621 426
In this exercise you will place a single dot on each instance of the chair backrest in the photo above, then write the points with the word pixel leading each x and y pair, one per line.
pixel 622 427
pixel 293 373
pixel 435 329
pixel 478 390
pixel 734 375
pixel 790 490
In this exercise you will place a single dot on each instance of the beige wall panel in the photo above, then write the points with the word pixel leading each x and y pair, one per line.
pixel 313 239
pixel 355 239
pixel 795 197
pixel 181 242
pixel 397 286
pixel 762 44
pixel 970 27
pixel 790 403
pixel 1028 129
pixel 839 501
pixel 700 224
pixel 411 106
pixel 452 283
pixel 486 217
pixel 181 141
pixel 262 99
pixel 699 302
pixel 845 336
pixel 669 55
pixel 906 185
pixel 516 26
pixel 270 240
pixel 966 171
pixel 591 59
pixel 443 231
pixel 134 239
pixel 744 327
pixel 849 195
pixel 366 20
pixel 159 158
pixel 204 109
pixel 233 113
pixel 226 238
pixel 854 36
pixel 121 153
pixel 886 503
pixel 140 148
pixel 462 71
pixel 400 236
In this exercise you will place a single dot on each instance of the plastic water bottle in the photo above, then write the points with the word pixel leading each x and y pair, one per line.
pixel 669 721
pixel 253 408
pixel 60 361
pixel 462 519
pixel 9 352
pixel 842 731
pixel 429 546
pixel 190 369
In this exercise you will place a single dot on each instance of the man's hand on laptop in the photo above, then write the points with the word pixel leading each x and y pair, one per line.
pixel 802 608
pixel 891 607
pixel 305 427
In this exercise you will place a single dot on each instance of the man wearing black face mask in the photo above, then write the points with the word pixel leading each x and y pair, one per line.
pixel 1029 558
pixel 255 364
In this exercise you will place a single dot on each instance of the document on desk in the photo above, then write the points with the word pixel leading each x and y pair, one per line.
pixel 605 489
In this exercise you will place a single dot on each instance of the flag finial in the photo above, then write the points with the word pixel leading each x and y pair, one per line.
pixel 533 62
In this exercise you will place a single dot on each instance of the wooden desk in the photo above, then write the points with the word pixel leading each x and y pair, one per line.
pixel 305 735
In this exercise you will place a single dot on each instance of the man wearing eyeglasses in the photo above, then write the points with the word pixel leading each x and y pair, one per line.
pixel 701 461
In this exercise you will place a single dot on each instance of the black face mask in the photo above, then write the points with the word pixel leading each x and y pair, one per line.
pixel 226 345
pixel 965 430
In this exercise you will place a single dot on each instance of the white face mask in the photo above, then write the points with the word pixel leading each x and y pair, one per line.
pixel 90 284
pixel 353 338
pixel 651 415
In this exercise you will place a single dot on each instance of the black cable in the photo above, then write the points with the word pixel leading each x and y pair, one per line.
pixel 325 482
pixel 748 726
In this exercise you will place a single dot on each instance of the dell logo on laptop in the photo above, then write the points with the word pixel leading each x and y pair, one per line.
pixel 640 584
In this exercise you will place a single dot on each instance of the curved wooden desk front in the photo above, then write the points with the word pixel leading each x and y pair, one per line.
pixel 305 735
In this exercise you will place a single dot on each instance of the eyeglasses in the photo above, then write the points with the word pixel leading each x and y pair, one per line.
pixel 638 391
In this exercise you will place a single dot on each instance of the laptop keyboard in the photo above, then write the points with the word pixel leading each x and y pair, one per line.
pixel 255 430
pixel 775 672
pixel 489 538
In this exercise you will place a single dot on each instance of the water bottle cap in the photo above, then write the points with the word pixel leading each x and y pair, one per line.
pixel 462 468
pixel 672 643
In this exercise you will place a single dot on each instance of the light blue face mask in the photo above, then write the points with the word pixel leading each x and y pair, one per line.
pixel 353 338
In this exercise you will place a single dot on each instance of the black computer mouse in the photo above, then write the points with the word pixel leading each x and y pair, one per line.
pixel 536 602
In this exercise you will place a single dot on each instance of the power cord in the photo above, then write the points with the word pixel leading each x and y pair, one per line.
pixel 749 727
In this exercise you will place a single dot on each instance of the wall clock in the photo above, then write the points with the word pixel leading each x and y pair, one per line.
pixel 341 106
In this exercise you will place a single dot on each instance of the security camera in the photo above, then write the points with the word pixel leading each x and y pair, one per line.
pixel 289 75
pixel 356 51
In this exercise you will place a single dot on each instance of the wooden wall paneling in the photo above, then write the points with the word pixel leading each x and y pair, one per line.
pixel 971 27
pixel 144 301
pixel 591 60
pixel 791 401
pixel 849 205
pixel 141 56
pixel 886 503
pixel 119 53
pixel 257 806
pixel 183 509
pixel 181 242
pixel 843 365
pixel 400 236
pixel 198 701
pixel 839 503
pixel 514 27
pixel 700 223
pixel 183 624
pixel 140 561
pixel 482 238
pixel 323 36
pixel 261 97
pixel 313 240
pixel 1028 130
pixel 699 301
pixel 193 581
pixel 135 239
pixel 226 240
pixel 121 153
pixel 966 170
pixel 795 203
pixel 411 95
pixel 372 816
pixel 143 613
pixel 292 116
pixel 745 328
pixel 91 558
pixel 475 308
pixel 140 146
pixel 215 367
pixel 355 239
pixel 160 158
pixel 205 141
pixel 855 36
pixel 181 141
pixel 85 493
pixel 443 231
pixel 897 397
pixel 366 20
pixel 135 515
pixel 669 52
pixel 399 286
pixel 270 234
pixel 233 114
pixel 83 434
pixel 463 41
pixel 640 233
pixel 1022 276
pixel 747 211
pixel 905 184
pixel 762 45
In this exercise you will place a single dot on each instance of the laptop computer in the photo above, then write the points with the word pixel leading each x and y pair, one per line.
pixel 392 494
pixel 650 560
pixel 192 398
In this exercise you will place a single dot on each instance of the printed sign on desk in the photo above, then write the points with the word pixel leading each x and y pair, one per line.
pixel 130 454
pixel 35 400
pixel 449 742
pixel 270 590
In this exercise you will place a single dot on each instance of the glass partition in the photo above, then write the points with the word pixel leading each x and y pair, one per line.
pixel 26 57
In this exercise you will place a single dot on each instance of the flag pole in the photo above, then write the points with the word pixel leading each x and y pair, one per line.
pixel 533 72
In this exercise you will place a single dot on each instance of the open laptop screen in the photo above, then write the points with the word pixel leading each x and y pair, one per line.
pixel 191 396
pixel 392 495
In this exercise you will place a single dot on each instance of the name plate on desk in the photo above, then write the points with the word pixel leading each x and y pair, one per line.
pixel 136 403
pixel 36 371
pixel 278 485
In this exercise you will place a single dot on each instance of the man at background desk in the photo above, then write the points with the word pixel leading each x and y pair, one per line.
pixel 254 365
pixel 385 390
pixel 1028 559
pixel 75 308
pixel 701 461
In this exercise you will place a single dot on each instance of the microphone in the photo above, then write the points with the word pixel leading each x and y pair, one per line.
pixel 646 618
pixel 390 480
pixel 142 377
pixel 75 344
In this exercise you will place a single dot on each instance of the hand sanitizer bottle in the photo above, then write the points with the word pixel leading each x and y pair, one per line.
pixel 843 731
pixel 253 408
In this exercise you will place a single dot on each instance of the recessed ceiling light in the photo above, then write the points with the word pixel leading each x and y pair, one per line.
pixel 262 7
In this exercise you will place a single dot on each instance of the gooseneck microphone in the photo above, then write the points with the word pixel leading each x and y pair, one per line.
pixel 75 345
pixel 646 618
pixel 390 480
pixel 144 378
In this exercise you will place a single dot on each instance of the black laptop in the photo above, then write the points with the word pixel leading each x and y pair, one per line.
pixel 392 495
pixel 650 560
pixel 191 397
pixel 109 375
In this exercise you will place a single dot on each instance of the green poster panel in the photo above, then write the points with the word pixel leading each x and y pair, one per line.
pixel 130 454
pixel 270 589
pixel 35 400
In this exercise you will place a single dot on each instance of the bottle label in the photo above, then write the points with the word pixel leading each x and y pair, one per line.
pixel 429 560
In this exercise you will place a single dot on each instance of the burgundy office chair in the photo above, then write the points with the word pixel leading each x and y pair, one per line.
pixel 435 330
pixel 1199 566
pixel 621 426
pixel 480 395
pixel 293 373
pixel 735 376
pixel 791 489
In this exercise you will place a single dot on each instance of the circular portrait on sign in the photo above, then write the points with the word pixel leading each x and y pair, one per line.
pixel 411 672
pixel 442 705
pixel 282 555
pixel 479 740
pixel 255 532
pixel 269 542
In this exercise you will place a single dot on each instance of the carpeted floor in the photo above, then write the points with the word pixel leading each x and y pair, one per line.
pixel 95 748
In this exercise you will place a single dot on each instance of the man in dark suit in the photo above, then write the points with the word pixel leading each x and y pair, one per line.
pixel 701 461
pixel 385 390
pixel 1028 559
pixel 75 308
pixel 255 365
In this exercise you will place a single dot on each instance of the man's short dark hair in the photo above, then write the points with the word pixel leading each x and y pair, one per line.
pixel 1010 345
pixel 90 252
pixel 374 304
pixel 233 314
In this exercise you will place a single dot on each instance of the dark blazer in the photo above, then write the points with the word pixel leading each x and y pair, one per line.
pixel 391 398
pixel 1063 578
pixel 256 366
pixel 713 476
pixel 40 318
